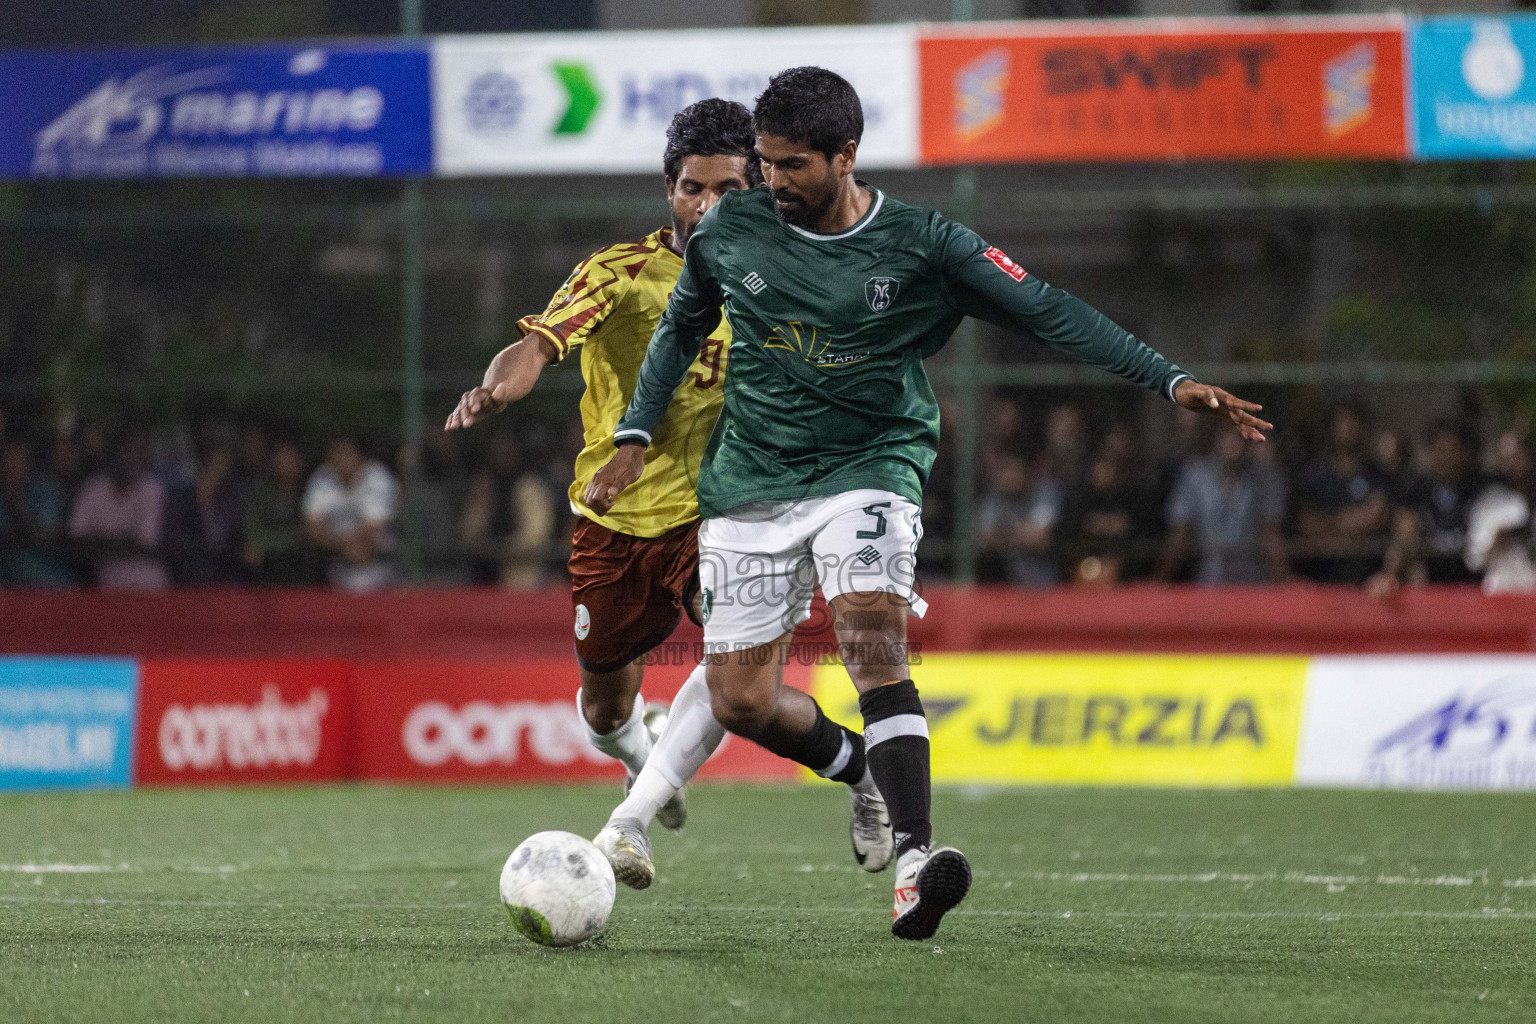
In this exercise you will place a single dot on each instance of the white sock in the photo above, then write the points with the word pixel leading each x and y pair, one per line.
pixel 630 743
pixel 691 735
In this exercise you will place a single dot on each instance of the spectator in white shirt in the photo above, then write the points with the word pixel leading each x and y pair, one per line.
pixel 1501 540
pixel 349 508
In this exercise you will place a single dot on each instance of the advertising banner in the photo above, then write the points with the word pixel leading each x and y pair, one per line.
pixel 230 721
pixel 514 721
pixel 66 723
pixel 1173 89
pixel 1103 719
pixel 601 102
pixel 283 111
pixel 1420 723
pixel 1474 87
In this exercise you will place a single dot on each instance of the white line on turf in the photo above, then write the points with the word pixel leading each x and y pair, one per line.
pixel 99 869
pixel 1291 877
pixel 1209 877
pixel 1068 877
pixel 1486 914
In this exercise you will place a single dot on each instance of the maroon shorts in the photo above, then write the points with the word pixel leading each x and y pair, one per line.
pixel 629 592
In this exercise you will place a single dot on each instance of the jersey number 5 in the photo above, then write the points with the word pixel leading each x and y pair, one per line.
pixel 709 358
pixel 879 530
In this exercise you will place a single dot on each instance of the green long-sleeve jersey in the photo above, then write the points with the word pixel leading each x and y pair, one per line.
pixel 826 391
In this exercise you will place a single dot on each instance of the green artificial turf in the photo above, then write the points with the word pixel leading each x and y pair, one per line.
pixel 366 904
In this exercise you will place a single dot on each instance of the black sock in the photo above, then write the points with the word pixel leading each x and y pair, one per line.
pixel 896 746
pixel 829 750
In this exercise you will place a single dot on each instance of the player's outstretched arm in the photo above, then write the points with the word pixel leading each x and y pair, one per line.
pixel 510 376
pixel 1193 395
pixel 986 284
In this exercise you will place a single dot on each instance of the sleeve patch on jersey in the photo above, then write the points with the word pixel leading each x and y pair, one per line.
pixel 1006 265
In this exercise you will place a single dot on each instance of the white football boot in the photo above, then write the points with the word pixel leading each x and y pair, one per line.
pixel 929 884
pixel 870 829
pixel 673 814
pixel 628 849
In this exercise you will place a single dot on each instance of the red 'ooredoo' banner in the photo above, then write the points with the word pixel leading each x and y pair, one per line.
pixel 512 721
pixel 204 721
pixel 1173 91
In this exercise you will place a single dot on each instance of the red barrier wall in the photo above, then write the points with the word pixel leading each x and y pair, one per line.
pixel 508 721
pixel 494 625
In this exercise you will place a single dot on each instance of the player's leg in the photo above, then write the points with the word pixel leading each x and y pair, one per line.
pixel 756 569
pixel 866 556
pixel 691 735
pixel 757 584
pixel 617 621
pixel 611 709
pixel 751 699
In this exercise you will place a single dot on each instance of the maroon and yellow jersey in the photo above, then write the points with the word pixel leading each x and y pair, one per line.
pixel 610 306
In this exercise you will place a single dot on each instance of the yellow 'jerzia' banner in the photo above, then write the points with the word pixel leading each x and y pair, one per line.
pixel 1114 719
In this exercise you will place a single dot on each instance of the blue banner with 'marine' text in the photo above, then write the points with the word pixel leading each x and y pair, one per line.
pixel 270 111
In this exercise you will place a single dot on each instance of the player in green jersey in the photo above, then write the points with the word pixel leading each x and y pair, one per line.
pixel 835 293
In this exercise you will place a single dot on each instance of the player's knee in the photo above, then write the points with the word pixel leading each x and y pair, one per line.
pixel 605 712
pixel 743 713
pixel 876 672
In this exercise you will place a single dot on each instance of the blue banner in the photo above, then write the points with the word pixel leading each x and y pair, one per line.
pixel 67 723
pixel 1473 87
pixel 273 111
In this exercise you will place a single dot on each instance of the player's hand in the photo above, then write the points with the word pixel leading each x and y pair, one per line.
pixel 1216 402
pixel 477 404
pixel 609 482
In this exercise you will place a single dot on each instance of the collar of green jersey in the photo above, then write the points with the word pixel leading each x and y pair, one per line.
pixel 869 215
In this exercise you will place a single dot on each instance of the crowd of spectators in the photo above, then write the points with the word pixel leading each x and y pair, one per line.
pixel 1364 507
pixel 225 503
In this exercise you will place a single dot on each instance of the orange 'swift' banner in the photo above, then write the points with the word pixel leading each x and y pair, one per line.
pixel 1171 90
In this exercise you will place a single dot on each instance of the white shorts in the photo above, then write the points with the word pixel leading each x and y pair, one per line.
pixel 759 563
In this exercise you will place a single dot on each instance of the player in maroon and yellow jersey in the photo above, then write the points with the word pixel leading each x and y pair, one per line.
pixel 634 566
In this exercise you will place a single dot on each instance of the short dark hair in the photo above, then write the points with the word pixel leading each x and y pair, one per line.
pixel 811 105
pixel 712 127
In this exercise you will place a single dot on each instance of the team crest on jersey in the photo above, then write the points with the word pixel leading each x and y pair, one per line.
pixel 583 622
pixel 880 292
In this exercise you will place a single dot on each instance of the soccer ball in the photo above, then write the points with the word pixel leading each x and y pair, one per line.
pixel 558 888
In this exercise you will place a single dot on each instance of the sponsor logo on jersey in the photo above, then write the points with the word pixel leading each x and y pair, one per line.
pixel 880 292
pixel 1005 264
pixel 811 345
pixel 754 282
pixel 268 733
pixel 483 733
pixel 583 622
pixel 868 554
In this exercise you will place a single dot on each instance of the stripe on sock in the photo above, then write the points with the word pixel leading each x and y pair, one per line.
pixel 897 725
pixel 840 761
